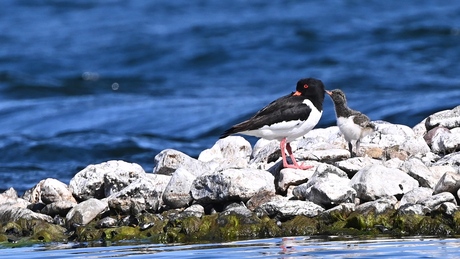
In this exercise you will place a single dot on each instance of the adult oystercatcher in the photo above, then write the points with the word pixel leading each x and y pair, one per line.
pixel 354 125
pixel 286 118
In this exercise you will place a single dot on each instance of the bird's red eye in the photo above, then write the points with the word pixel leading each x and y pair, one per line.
pixel 305 86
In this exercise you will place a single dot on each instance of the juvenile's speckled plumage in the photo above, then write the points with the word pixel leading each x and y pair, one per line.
pixel 286 118
pixel 353 124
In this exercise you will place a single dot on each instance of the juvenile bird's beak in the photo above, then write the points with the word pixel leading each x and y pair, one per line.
pixel 329 92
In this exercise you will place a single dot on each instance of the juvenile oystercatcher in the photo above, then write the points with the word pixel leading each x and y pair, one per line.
pixel 286 118
pixel 354 125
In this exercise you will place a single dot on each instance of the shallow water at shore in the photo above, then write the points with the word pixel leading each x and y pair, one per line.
pixel 288 247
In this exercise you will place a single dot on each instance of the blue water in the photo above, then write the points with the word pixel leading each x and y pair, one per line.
pixel 83 82
pixel 292 247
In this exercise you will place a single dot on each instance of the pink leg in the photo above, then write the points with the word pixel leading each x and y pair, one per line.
pixel 286 146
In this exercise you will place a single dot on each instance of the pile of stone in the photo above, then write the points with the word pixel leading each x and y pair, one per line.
pixel 407 171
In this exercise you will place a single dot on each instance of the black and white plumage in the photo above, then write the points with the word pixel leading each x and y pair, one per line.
pixel 286 118
pixel 354 125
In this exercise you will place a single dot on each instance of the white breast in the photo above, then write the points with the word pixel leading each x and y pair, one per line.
pixel 349 129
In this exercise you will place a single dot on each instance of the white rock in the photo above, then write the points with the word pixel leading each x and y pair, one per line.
pixel 414 209
pixel 433 201
pixel 290 176
pixel 10 213
pixel 144 194
pixel 352 165
pixel 378 181
pixel 420 172
pixel 413 196
pixel 89 182
pixel 444 141
pixel 86 211
pixel 448 208
pixel 287 209
pixel 449 182
pixel 448 118
pixel 177 192
pixel 329 155
pixel 343 208
pixel 378 206
pixel 232 184
pixel 10 198
pixel 195 210
pixel 123 175
pixel 328 186
pixel 452 159
pixel 264 153
pixel 48 191
pixel 389 135
pixel 229 152
pixel 168 160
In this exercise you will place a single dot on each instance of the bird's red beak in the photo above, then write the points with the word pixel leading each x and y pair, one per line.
pixel 329 92
pixel 297 93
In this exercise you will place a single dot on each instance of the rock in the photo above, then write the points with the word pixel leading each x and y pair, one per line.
pixel 429 135
pixel 343 209
pixel 322 139
pixel 123 175
pixel 90 182
pixel 452 159
pixel 107 222
pixel 58 208
pixel 369 183
pixel 237 208
pixel 328 187
pixel 145 194
pixel 261 198
pixel 10 213
pixel 352 165
pixel 444 141
pixel 195 210
pixel 10 197
pixel 329 155
pixel 264 153
pixel 287 209
pixel 397 140
pixel 412 197
pixel 420 172
pixel 231 185
pixel 229 152
pixel 177 192
pixel 448 208
pixel 413 209
pixel 48 191
pixel 291 176
pixel 448 118
pixel 378 206
pixel 433 201
pixel 85 211
pixel 420 129
pixel 169 160
pixel 449 182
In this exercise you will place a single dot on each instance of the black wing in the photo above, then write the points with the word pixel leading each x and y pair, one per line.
pixel 286 108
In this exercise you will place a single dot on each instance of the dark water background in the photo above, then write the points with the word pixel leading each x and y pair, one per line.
pixel 83 82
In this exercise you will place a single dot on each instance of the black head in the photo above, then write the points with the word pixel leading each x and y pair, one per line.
pixel 312 89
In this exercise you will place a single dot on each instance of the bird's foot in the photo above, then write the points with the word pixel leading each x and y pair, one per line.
pixel 297 166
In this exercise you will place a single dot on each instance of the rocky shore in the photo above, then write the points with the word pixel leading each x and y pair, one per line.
pixel 406 183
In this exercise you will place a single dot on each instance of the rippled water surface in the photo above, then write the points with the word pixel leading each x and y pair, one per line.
pixel 289 247
pixel 83 82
